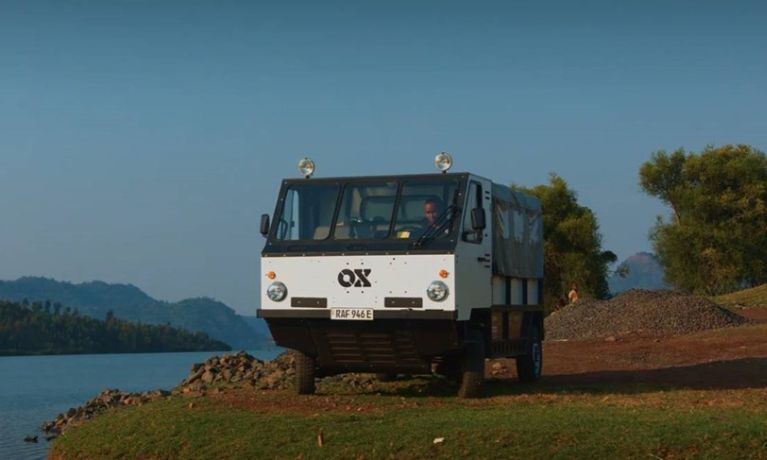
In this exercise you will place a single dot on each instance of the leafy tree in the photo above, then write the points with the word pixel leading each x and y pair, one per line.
pixel 572 244
pixel 716 239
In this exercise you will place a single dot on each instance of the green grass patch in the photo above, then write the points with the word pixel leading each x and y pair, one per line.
pixel 501 427
pixel 753 297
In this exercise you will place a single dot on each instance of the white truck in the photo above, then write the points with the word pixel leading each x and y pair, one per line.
pixel 404 274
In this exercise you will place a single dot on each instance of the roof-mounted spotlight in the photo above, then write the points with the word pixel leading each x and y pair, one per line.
pixel 306 167
pixel 443 161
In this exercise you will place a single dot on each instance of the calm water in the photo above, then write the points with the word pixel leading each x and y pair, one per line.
pixel 37 388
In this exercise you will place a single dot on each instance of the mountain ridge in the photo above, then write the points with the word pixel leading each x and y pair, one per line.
pixel 128 302
pixel 644 271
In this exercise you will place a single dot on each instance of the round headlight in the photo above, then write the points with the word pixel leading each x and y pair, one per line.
pixel 306 167
pixel 277 291
pixel 443 161
pixel 437 291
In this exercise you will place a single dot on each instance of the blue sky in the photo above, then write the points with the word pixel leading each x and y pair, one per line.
pixel 141 140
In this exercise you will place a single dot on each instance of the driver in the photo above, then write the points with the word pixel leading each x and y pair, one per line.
pixel 432 211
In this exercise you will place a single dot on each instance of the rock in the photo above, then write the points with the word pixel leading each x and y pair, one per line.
pixel 30 439
pixel 438 441
pixel 610 339
pixel 208 376
pixel 196 373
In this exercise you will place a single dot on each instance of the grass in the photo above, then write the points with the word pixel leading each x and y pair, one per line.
pixel 753 297
pixel 548 422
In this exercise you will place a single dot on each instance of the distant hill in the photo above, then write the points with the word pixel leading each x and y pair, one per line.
pixel 644 272
pixel 43 328
pixel 258 325
pixel 128 302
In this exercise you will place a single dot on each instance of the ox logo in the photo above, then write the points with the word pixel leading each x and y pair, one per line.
pixel 357 278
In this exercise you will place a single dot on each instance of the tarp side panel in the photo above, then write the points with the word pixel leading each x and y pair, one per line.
pixel 517 234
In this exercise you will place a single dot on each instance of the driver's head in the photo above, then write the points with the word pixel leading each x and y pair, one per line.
pixel 432 208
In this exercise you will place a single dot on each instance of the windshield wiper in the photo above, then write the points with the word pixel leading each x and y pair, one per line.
pixel 440 224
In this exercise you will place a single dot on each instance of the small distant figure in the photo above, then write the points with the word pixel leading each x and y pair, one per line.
pixel 572 296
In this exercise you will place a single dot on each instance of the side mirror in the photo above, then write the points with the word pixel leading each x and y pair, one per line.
pixel 478 219
pixel 265 224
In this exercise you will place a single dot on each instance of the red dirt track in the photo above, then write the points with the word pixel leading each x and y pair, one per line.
pixel 722 358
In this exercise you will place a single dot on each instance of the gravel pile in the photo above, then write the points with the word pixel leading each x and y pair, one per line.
pixel 241 369
pixel 637 311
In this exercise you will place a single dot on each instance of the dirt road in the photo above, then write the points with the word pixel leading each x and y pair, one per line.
pixel 723 358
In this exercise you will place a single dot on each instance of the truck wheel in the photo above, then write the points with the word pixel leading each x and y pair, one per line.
pixel 386 377
pixel 450 368
pixel 305 371
pixel 529 366
pixel 472 374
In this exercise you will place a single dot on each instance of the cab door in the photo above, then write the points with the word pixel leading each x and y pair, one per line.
pixel 473 264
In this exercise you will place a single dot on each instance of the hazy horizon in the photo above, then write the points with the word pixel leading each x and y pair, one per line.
pixel 141 141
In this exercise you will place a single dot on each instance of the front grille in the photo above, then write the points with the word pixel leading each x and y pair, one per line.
pixel 374 349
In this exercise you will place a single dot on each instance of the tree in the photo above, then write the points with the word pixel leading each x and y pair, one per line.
pixel 572 244
pixel 716 239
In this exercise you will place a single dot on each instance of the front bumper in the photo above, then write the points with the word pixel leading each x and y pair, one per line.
pixel 379 314
pixel 392 345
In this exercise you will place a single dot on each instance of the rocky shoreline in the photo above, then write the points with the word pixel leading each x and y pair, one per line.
pixel 107 399
pixel 238 370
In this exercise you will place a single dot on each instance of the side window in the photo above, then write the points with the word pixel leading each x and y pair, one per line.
pixel 473 200
pixel 288 226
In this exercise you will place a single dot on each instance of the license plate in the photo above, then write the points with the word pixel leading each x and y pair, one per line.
pixel 359 314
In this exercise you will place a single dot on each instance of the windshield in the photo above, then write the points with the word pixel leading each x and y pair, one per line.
pixel 307 212
pixel 385 209
pixel 425 206
pixel 366 211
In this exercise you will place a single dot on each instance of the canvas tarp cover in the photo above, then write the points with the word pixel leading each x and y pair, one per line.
pixel 517 234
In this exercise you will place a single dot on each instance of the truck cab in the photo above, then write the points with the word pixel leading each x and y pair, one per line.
pixel 404 274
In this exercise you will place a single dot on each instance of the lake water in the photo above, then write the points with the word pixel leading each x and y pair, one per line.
pixel 34 389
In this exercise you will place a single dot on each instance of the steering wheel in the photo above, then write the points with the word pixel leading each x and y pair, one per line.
pixel 414 230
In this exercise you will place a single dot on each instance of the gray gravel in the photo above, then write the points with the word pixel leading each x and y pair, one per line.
pixel 641 312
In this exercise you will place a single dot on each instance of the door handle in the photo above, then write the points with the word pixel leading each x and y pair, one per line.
pixel 483 259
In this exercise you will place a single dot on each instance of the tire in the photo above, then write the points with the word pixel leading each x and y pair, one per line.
pixel 305 372
pixel 450 368
pixel 386 377
pixel 530 365
pixel 472 374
